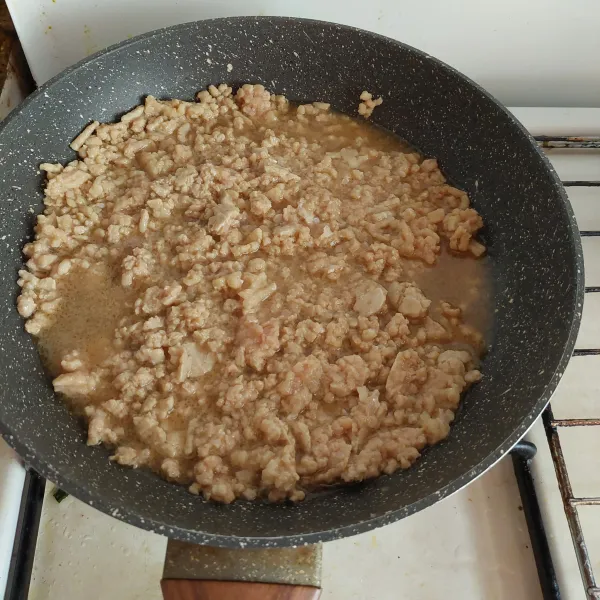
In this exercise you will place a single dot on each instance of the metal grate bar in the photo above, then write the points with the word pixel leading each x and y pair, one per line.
pixel 566 492
pixel 586 352
pixel 552 425
pixel 23 554
pixel 576 142
pixel 522 455
pixel 574 422
pixel 585 501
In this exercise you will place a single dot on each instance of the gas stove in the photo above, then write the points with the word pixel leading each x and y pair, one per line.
pixel 507 535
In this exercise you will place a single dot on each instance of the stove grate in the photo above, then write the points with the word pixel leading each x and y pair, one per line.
pixel 553 426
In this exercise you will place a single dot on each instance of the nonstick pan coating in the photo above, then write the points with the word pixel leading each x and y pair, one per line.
pixel 531 234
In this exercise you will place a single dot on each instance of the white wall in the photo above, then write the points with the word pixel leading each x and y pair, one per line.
pixel 526 52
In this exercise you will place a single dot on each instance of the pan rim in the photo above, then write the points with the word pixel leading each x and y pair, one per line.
pixel 155 525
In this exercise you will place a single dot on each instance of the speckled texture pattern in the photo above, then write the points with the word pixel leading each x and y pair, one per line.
pixel 294 566
pixel 531 235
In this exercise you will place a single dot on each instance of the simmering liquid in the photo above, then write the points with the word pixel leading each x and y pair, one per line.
pixel 279 298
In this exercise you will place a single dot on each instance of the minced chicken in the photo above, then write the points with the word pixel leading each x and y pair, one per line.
pixel 228 290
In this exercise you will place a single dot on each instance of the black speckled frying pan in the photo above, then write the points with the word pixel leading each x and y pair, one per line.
pixel 531 234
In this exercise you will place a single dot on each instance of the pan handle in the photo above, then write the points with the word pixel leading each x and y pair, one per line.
pixel 192 589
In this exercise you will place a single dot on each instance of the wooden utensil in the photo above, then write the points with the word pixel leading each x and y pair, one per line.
pixel 195 572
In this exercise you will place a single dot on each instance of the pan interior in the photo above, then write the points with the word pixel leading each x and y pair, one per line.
pixel 533 247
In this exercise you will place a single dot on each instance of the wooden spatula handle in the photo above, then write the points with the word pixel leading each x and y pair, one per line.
pixel 191 589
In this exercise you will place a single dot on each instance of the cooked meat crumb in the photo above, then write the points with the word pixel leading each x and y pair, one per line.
pixel 228 290
pixel 368 104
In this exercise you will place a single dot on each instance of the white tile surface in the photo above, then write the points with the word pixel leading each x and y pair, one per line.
pixel 576 165
pixel 559 121
pixel 578 393
pixel 589 332
pixel 586 204
pixel 591 254
pixel 581 447
pixel 588 515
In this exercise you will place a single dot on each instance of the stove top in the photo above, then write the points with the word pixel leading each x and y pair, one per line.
pixel 474 544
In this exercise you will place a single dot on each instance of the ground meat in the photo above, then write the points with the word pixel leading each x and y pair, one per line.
pixel 228 290
pixel 368 104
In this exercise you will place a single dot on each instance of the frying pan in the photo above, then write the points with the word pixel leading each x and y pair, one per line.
pixel 533 243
